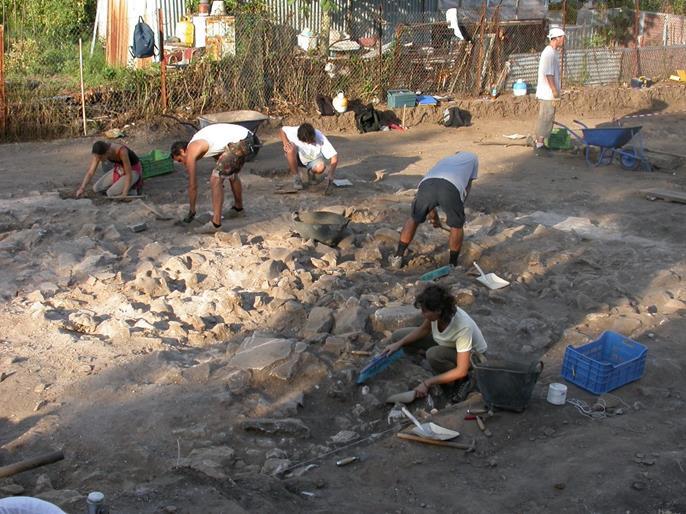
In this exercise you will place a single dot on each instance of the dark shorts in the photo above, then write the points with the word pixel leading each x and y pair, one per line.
pixel 438 192
pixel 233 158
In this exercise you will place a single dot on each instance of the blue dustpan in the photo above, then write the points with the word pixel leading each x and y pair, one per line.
pixel 437 273
pixel 378 364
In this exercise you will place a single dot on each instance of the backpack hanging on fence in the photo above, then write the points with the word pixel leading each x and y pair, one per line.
pixel 143 40
pixel 456 117
pixel 324 105
pixel 367 119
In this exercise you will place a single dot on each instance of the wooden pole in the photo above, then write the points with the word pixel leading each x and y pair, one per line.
pixel 637 21
pixel 3 100
pixel 25 465
pixel 480 61
pixel 163 64
pixel 83 92
pixel 563 51
pixel 95 28
pixel 380 42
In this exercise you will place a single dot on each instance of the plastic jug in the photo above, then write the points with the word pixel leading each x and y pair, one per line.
pixel 340 103
pixel 519 88
pixel 185 31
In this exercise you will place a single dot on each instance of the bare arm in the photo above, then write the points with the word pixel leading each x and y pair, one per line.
pixel 88 176
pixel 468 188
pixel 332 166
pixel 553 86
pixel 194 152
pixel 287 145
pixel 418 333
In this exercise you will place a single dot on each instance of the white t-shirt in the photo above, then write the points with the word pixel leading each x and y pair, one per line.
pixel 462 333
pixel 27 505
pixel 218 135
pixel 548 65
pixel 306 151
pixel 457 169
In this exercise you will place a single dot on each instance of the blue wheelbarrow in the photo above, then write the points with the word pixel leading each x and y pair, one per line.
pixel 610 142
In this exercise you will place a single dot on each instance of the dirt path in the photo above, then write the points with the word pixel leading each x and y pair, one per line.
pixel 129 349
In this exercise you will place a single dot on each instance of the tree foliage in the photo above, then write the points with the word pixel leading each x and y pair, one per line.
pixel 60 21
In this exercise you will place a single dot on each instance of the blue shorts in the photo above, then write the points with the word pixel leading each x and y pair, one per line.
pixel 320 159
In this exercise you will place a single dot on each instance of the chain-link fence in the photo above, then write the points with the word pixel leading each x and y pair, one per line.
pixel 262 67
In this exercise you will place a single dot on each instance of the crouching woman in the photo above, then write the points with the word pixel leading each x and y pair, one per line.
pixel 448 335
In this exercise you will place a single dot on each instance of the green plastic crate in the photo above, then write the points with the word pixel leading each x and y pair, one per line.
pixel 559 139
pixel 156 163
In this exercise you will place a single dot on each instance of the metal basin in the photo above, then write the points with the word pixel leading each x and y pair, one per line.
pixel 322 226
pixel 248 119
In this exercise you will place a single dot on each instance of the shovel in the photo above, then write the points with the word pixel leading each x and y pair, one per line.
pixel 430 430
pixel 490 280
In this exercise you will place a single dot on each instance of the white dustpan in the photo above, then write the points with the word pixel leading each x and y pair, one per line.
pixel 430 430
pixel 490 280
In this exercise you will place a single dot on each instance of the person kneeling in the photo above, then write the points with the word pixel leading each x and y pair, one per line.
pixel 449 336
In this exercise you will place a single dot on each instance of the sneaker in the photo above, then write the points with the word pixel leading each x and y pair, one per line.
pixel 463 388
pixel 207 228
pixel 542 151
pixel 235 213
pixel 297 182
pixel 396 261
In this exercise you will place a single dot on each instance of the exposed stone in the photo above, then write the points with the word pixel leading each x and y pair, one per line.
pixel 335 345
pixel 259 352
pixel 320 320
pixel 230 238
pixel 393 317
pixel 286 371
pixel 368 254
pixel 237 380
pixel 83 321
pixel 274 467
pixel 350 318
pixel 344 437
pixel 470 252
pixel 288 426
pixel 386 236
pixel 11 489
pixel 115 329
pixel 67 499
pixel 198 374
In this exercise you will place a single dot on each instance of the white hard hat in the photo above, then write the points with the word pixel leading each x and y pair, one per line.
pixel 555 32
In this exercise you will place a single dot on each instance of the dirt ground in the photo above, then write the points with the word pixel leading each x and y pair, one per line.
pixel 187 373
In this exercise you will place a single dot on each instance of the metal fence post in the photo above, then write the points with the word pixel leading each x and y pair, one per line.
pixel 380 36
pixel 3 99
pixel 637 18
pixel 163 65
pixel 563 51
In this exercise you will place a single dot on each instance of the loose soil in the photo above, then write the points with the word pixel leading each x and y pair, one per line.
pixel 121 347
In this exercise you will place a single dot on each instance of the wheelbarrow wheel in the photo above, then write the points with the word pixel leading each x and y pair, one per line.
pixel 629 159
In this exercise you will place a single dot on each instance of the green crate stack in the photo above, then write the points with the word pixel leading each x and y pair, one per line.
pixel 559 139
pixel 156 163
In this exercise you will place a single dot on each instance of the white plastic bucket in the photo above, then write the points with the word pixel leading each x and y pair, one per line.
pixel 557 394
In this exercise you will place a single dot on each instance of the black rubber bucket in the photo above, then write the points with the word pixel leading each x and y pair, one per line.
pixel 322 226
pixel 506 384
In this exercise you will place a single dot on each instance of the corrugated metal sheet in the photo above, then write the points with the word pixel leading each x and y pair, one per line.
pixel 357 18
pixel 117 40
pixel 122 16
pixel 590 67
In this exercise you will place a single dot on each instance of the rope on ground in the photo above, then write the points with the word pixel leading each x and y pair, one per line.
pixel 588 411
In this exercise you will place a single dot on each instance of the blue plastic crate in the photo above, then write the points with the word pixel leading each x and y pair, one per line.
pixel 604 364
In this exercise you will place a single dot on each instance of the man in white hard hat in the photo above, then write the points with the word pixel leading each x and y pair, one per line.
pixel 548 87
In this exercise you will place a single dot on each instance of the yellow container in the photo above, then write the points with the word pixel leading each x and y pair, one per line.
pixel 185 31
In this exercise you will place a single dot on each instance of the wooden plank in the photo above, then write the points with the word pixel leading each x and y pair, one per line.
pixel 663 194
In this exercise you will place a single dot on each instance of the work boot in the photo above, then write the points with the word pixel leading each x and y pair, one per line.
pixel 462 389
pixel 207 228
pixel 297 183
pixel 396 262
pixel 235 213
pixel 542 151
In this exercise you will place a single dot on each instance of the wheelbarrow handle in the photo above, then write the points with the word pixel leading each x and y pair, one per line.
pixel 580 123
